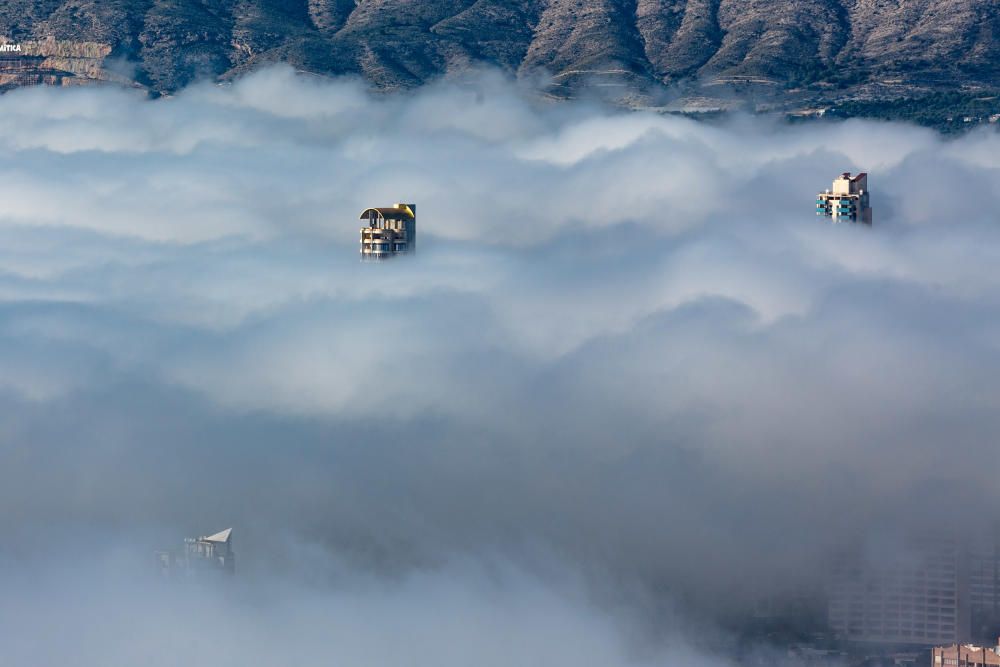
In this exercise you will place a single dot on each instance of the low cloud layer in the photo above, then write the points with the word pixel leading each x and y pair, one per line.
pixel 626 346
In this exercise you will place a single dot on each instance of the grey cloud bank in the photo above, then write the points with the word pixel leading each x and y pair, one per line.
pixel 626 344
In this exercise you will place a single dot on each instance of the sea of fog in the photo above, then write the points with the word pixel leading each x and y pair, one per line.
pixel 629 387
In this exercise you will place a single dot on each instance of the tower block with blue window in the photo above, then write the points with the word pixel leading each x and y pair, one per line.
pixel 847 201
pixel 391 231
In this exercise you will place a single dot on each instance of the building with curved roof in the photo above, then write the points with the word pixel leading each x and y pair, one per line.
pixel 391 231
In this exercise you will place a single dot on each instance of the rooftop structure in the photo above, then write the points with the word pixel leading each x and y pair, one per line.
pixel 391 231
pixel 847 201
pixel 209 553
pixel 965 655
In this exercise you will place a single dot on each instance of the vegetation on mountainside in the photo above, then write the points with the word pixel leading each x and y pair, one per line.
pixel 946 112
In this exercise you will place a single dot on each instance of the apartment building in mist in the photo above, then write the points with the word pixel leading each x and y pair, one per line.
pixel 929 591
pixel 983 571
pixel 847 201
pixel 390 231
pixel 212 553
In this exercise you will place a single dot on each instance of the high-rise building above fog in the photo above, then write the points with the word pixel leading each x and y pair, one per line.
pixel 847 200
pixel 391 231
pixel 201 554
pixel 936 589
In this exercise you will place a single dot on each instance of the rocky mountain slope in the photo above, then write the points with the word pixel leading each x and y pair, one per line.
pixel 703 47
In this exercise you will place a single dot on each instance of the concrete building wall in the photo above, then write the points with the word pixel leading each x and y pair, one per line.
pixel 842 186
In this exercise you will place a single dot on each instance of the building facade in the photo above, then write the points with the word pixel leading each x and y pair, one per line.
pixel 201 554
pixel 935 589
pixel 390 231
pixel 965 655
pixel 983 566
pixel 913 592
pixel 847 201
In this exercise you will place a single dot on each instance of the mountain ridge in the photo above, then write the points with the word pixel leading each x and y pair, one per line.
pixel 780 49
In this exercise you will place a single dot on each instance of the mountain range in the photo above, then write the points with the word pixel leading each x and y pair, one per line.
pixel 644 51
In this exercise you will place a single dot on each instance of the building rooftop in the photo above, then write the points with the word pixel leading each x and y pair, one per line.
pixel 222 536
pixel 402 212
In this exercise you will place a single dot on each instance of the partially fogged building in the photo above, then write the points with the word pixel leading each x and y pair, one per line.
pixel 983 566
pixel 202 554
pixel 390 231
pixel 847 201
pixel 935 589
pixel 912 592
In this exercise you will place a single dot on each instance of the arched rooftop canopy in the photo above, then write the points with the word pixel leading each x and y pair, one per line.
pixel 388 213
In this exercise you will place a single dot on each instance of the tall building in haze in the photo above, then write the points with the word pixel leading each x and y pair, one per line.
pixel 939 589
pixel 847 201
pixel 909 592
pixel 201 554
pixel 390 231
